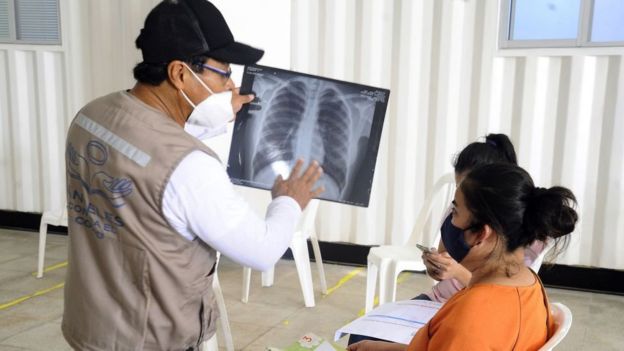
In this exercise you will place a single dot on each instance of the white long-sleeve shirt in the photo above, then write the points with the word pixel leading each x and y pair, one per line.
pixel 200 202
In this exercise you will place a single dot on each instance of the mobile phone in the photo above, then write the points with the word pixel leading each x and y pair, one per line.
pixel 423 248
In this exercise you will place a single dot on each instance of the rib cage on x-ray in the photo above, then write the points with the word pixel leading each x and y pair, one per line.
pixel 298 115
pixel 309 118
pixel 334 122
pixel 282 120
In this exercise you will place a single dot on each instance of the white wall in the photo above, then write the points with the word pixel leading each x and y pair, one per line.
pixel 563 109
pixel 43 86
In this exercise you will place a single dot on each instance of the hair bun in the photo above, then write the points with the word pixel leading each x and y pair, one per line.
pixel 538 192
pixel 550 212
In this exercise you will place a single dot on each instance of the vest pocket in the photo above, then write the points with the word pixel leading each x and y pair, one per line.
pixel 106 307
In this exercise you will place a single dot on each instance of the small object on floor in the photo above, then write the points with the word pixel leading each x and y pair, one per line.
pixel 309 342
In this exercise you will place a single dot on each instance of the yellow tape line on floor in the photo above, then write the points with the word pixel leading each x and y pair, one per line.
pixel 24 298
pixel 400 279
pixel 51 268
pixel 344 279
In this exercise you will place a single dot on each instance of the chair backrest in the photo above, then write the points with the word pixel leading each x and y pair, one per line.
pixel 444 186
pixel 563 321
pixel 535 266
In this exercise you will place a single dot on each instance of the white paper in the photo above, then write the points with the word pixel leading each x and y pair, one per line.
pixel 395 321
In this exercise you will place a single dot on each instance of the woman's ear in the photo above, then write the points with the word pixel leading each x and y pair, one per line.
pixel 176 74
pixel 486 233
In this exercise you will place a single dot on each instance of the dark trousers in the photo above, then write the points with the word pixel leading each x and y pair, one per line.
pixel 353 338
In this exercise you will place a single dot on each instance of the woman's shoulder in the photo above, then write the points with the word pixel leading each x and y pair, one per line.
pixel 483 301
pixel 479 314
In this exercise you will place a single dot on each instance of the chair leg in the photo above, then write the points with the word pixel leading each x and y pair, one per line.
pixel 299 247
pixel 393 284
pixel 223 316
pixel 210 344
pixel 385 291
pixel 371 283
pixel 246 283
pixel 319 262
pixel 268 277
pixel 43 231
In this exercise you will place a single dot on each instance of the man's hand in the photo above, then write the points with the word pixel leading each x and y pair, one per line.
pixel 238 100
pixel 299 186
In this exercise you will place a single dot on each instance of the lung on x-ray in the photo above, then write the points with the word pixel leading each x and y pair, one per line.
pixel 298 115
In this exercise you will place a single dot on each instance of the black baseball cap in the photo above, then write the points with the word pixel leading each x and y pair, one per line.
pixel 181 29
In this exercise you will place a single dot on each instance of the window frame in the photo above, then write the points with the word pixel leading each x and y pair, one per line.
pixel 506 19
pixel 12 40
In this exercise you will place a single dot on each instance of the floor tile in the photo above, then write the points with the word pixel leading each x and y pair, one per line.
pixel 41 338
pixel 274 316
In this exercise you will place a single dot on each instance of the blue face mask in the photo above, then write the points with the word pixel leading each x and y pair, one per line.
pixel 453 239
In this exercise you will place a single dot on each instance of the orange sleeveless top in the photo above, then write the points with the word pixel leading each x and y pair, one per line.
pixel 489 317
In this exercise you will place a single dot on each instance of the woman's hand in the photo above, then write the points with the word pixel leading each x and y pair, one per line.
pixel 369 345
pixel 442 266
pixel 431 268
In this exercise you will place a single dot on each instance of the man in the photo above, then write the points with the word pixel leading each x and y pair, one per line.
pixel 150 205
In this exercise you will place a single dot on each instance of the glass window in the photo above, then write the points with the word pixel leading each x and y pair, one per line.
pixel 545 19
pixel 608 21
pixel 30 21
pixel 5 33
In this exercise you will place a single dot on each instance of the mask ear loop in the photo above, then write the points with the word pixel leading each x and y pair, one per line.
pixel 199 79
pixel 472 228
pixel 187 99
pixel 200 82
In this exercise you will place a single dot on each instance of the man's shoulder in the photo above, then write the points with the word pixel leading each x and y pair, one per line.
pixel 113 100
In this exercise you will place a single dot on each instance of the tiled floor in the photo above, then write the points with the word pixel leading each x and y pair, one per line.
pixel 274 316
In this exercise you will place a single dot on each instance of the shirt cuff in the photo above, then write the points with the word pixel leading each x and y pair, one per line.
pixel 286 202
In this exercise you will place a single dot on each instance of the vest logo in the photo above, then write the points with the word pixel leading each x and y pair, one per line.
pixel 89 171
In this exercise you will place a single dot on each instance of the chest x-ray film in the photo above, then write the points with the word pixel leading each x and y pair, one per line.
pixel 297 115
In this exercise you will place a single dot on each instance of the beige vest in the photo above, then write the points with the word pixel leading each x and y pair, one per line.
pixel 133 282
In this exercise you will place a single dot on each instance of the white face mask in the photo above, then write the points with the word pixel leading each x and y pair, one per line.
pixel 213 113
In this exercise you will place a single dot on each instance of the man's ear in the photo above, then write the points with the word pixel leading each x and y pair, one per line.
pixel 176 72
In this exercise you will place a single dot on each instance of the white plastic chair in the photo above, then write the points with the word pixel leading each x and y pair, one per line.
pixel 299 248
pixel 563 321
pixel 56 217
pixel 389 260
pixel 535 266
pixel 59 218
pixel 211 344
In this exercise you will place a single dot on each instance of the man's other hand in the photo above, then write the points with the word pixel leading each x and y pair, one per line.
pixel 238 100
pixel 299 186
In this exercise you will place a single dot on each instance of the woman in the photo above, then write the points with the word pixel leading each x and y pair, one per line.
pixel 504 306
pixel 443 264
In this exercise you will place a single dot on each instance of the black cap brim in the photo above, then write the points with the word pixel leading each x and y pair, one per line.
pixel 236 53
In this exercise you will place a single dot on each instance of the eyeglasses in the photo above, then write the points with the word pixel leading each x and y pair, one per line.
pixel 222 73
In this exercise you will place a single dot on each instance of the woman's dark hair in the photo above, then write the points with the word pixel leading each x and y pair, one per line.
pixel 497 148
pixel 156 73
pixel 504 197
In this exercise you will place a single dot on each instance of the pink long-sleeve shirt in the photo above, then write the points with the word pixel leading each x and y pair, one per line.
pixel 444 289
